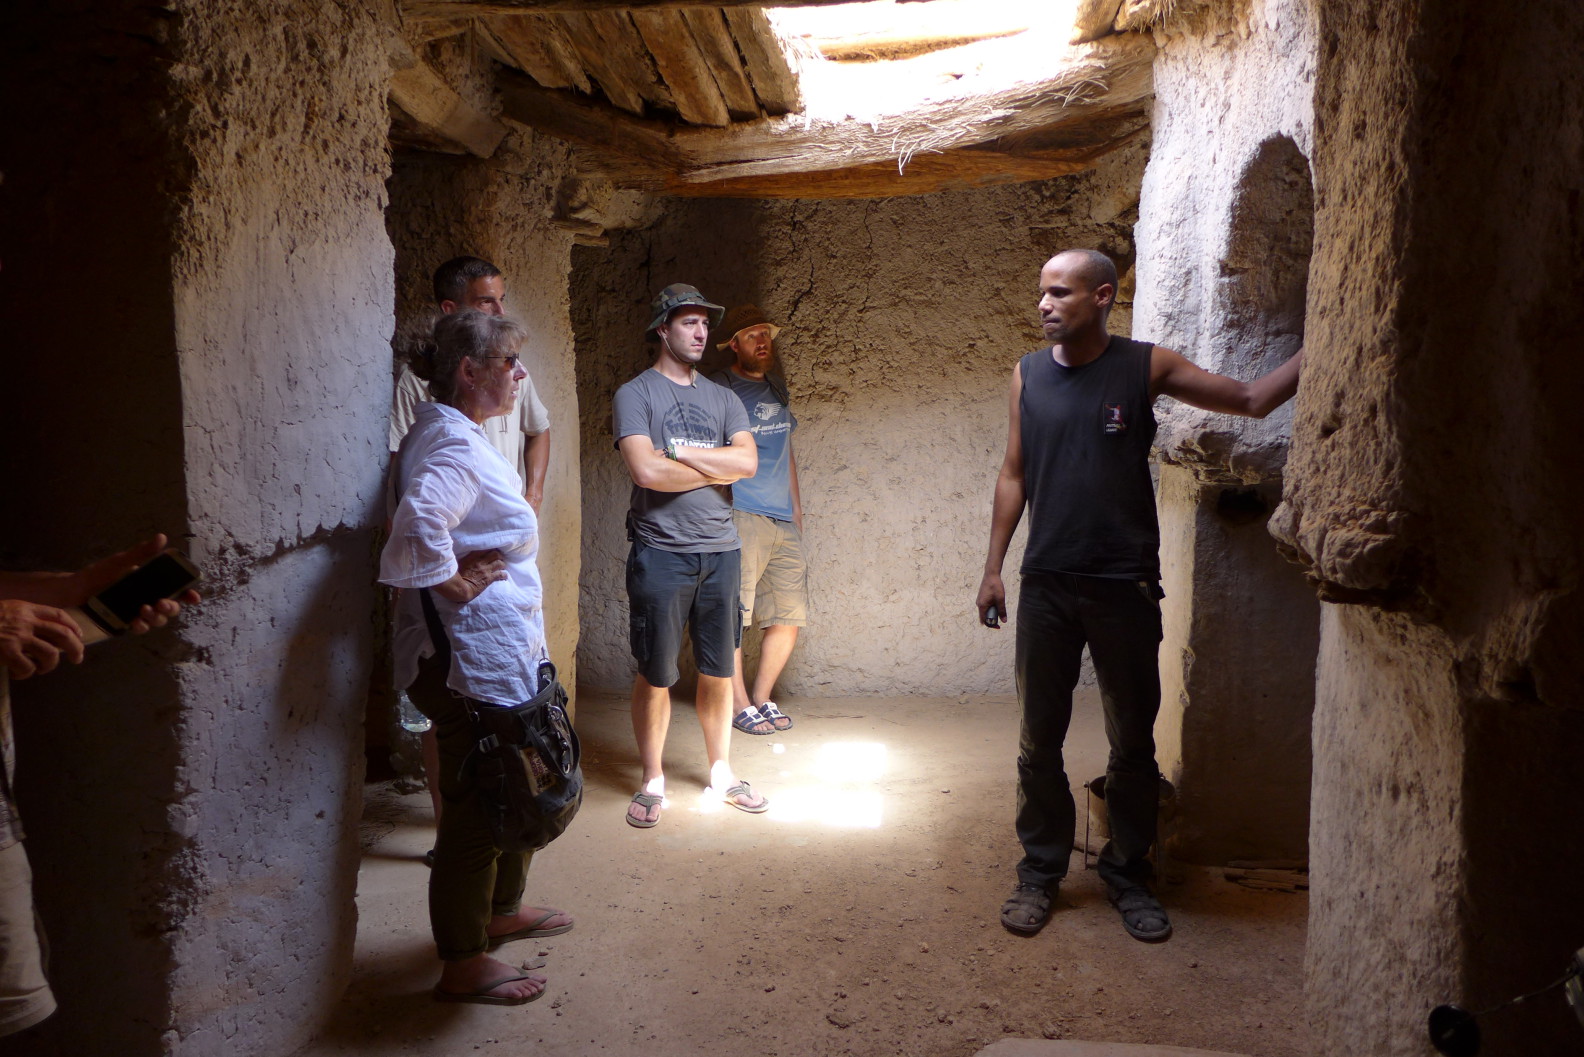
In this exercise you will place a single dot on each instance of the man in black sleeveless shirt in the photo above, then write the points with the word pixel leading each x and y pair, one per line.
pixel 1081 425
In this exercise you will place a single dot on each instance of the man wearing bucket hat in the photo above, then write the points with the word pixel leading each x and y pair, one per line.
pixel 768 512
pixel 684 441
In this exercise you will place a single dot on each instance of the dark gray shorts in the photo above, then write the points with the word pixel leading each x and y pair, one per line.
pixel 667 592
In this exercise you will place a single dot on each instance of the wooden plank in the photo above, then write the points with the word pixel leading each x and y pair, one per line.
pixel 638 150
pixel 951 171
pixel 537 45
pixel 682 66
pixel 774 80
pixel 627 55
pixel 438 111
pixel 588 38
pixel 473 8
pixel 715 43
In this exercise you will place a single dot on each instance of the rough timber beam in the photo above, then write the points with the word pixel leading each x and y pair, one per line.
pixel 468 8
pixel 1097 102
pixel 774 81
pixel 440 114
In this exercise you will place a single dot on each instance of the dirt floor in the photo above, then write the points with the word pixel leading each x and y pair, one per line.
pixel 859 916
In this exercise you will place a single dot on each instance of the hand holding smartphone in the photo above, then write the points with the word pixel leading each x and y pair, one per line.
pixel 114 610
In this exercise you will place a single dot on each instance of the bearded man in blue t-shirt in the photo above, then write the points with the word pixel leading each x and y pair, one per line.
pixel 768 512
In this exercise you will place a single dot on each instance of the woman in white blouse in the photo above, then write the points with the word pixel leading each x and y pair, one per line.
pixel 461 529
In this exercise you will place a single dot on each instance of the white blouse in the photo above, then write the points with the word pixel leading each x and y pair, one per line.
pixel 450 493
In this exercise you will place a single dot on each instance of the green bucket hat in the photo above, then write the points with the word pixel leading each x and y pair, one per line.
pixel 679 295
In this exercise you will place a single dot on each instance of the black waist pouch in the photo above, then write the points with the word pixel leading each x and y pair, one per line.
pixel 526 762
pixel 527 766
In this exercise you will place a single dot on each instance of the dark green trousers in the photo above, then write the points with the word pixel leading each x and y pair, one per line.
pixel 472 879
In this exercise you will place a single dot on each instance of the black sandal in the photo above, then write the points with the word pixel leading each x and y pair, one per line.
pixel 1142 915
pixel 1026 909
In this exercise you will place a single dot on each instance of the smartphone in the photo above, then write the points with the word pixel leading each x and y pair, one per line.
pixel 112 611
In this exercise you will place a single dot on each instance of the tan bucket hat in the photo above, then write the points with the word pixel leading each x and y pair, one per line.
pixel 739 318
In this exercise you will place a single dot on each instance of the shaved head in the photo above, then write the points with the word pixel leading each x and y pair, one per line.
pixel 1092 266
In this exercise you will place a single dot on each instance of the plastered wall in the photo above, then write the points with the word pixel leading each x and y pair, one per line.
pixel 1432 493
pixel 1224 236
pixel 903 320
pixel 210 188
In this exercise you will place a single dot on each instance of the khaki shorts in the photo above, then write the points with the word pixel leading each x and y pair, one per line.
pixel 25 996
pixel 774 575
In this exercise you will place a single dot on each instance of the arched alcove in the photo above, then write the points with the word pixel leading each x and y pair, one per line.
pixel 1265 270
pixel 1242 626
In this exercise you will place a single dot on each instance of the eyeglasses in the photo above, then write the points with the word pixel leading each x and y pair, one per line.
pixel 511 360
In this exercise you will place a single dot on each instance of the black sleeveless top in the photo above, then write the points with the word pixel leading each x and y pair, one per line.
pixel 1086 434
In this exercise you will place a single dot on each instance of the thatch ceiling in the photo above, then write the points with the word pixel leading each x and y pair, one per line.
pixel 698 98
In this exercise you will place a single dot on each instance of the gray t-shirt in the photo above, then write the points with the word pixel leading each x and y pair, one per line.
pixel 701 415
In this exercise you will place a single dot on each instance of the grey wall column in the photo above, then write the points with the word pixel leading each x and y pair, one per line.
pixel 1225 232
pixel 197 299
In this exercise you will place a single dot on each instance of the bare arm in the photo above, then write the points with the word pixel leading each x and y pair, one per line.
pixel 476 570
pixel 1006 510
pixel 536 457
pixel 797 496
pixel 651 469
pixel 1171 374
pixel 738 459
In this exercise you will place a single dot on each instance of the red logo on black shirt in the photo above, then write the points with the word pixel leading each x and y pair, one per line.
pixel 1113 421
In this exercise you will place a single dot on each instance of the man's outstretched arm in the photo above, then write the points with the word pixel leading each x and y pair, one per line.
pixel 1006 510
pixel 1172 374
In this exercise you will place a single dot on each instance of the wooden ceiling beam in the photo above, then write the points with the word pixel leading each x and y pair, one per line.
pixel 641 150
pixel 683 67
pixel 441 115
pixel 1096 103
pixel 774 81
pixel 538 45
pixel 597 37
pixel 471 8
pixel 714 40
pixel 949 171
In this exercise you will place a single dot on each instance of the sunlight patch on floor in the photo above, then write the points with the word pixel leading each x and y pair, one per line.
pixel 836 790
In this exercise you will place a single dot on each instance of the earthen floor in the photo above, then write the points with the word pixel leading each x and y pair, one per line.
pixel 857 917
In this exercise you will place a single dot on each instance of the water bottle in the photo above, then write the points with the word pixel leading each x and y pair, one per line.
pixel 408 716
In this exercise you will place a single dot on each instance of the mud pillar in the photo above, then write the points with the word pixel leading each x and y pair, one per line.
pixel 1432 491
pixel 197 300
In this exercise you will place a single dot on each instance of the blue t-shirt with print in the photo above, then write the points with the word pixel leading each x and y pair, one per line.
pixel 768 492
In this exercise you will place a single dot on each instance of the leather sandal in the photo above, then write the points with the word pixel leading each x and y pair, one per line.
pixel 1142 915
pixel 1026 909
